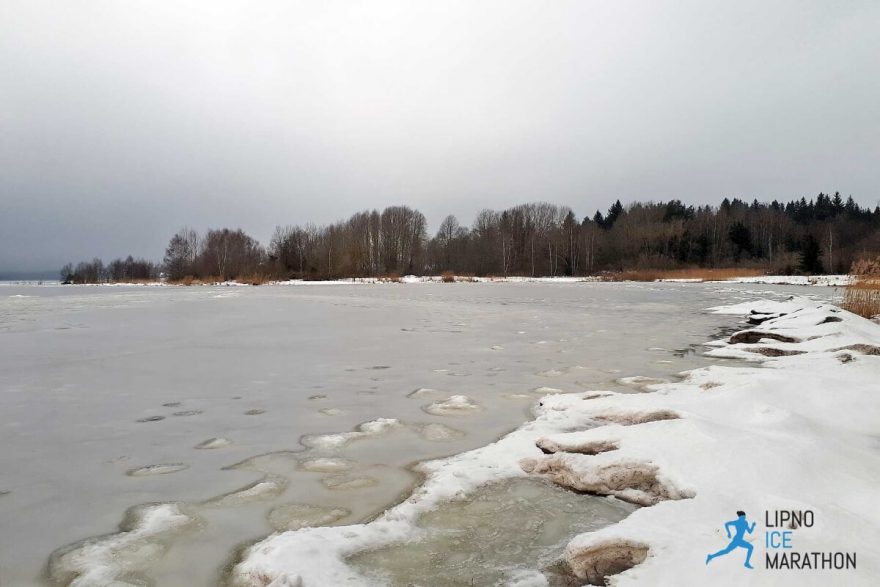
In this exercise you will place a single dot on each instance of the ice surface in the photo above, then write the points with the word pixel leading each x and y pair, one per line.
pixel 325 465
pixel 655 447
pixel 81 365
pixel 293 516
pixel 500 532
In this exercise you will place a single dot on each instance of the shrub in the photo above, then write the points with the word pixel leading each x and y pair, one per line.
pixel 447 277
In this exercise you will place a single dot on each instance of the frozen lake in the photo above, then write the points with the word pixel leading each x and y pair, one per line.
pixel 114 397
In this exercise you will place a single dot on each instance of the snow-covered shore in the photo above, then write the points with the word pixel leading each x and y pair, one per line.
pixel 807 280
pixel 798 432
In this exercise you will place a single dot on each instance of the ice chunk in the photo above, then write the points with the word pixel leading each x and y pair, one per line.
pixel 454 405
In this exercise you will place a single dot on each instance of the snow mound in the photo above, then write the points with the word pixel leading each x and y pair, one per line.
pixel 454 405
pixel 121 558
pixel 545 390
pixel 342 439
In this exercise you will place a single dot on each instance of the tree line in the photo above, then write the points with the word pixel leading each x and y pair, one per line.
pixel 824 234
pixel 118 270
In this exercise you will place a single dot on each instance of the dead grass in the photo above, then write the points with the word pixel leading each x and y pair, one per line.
pixel 862 295
pixel 447 277
pixel 186 280
pixel 703 274
pixel 390 277
pixel 255 279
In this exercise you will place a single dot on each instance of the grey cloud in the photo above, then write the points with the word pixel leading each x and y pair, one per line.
pixel 122 121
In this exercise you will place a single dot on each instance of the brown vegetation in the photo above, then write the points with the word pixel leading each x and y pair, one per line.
pixel 447 277
pixel 862 295
pixel 700 273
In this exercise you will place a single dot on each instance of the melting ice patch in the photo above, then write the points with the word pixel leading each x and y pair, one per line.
pixel 293 516
pixel 267 488
pixel 325 465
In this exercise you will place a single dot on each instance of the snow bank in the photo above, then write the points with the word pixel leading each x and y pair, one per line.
pixel 798 433
pixel 825 280
pixel 121 558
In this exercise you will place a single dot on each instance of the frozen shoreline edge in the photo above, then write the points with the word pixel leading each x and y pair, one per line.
pixel 693 493
pixel 804 280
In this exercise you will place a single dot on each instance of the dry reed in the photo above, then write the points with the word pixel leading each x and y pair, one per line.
pixel 862 295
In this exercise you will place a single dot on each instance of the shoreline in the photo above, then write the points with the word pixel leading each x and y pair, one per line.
pixel 831 280
pixel 634 457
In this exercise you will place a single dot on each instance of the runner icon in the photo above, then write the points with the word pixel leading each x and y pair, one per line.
pixel 742 527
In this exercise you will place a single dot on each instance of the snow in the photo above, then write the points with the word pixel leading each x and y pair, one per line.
pixel 109 560
pixel 797 432
pixel 821 280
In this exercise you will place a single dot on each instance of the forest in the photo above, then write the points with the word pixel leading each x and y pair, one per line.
pixel 825 234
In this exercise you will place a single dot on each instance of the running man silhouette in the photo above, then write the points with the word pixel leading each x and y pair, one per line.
pixel 741 525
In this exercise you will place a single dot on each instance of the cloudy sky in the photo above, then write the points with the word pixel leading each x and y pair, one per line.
pixel 122 121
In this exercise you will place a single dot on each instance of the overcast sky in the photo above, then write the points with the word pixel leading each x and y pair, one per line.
pixel 122 121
